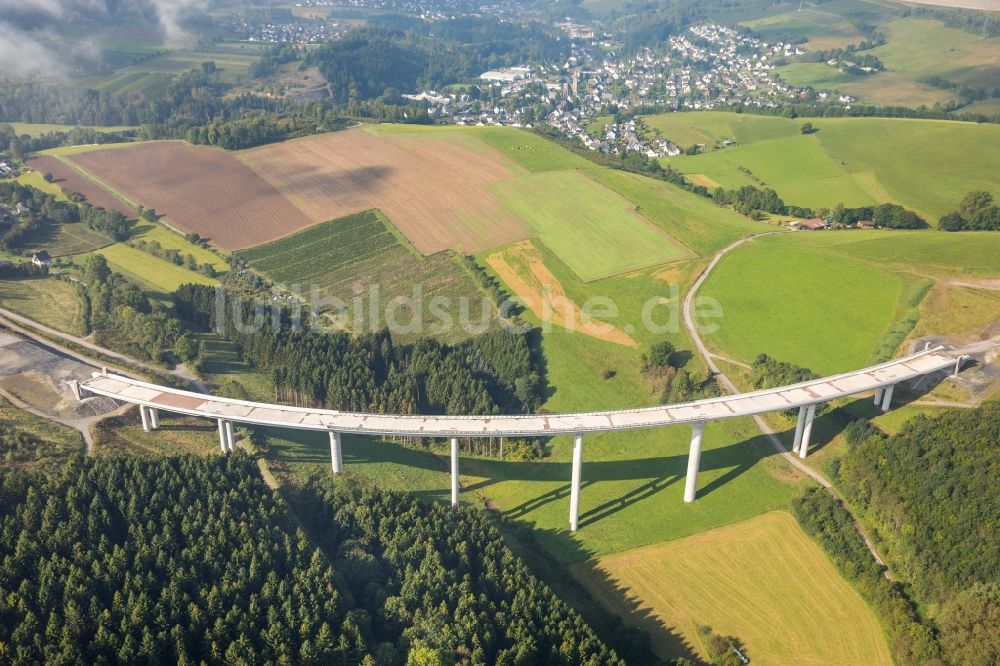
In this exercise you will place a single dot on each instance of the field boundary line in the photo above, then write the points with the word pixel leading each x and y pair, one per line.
pixel 100 183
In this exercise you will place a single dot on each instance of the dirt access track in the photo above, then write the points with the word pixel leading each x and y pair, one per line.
pixel 199 189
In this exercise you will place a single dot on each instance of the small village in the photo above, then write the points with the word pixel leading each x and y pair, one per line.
pixel 712 66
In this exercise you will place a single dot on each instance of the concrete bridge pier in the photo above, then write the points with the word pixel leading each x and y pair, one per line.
pixel 336 457
pixel 887 397
pixel 799 426
pixel 146 420
pixel 694 460
pixel 574 489
pixel 154 418
pixel 878 395
pixel 807 427
pixel 226 438
pixel 454 471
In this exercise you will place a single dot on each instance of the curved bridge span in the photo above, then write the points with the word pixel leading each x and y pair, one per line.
pixel 805 396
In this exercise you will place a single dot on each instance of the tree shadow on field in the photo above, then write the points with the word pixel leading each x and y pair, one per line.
pixel 313 178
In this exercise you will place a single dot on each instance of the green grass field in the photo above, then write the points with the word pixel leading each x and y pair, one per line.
pixel 854 161
pixel 171 240
pixel 366 250
pixel 46 300
pixel 930 252
pixel 693 220
pixel 920 48
pixel 57 440
pixel 756 580
pixel 594 231
pixel 37 129
pixel 157 276
pixel 801 304
pixel 823 29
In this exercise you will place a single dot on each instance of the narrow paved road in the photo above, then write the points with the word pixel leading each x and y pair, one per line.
pixel 728 385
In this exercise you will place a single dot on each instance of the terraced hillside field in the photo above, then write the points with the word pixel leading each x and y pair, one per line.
pixel 199 189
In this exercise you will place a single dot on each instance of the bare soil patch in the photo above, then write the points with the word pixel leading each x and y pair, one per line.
pixel 434 189
pixel 199 189
pixel 542 293
pixel 65 176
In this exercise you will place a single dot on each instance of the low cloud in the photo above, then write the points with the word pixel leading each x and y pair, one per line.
pixel 30 46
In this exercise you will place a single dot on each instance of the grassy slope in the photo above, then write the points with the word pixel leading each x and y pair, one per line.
pixel 171 240
pixel 823 29
pixel 46 300
pixel 158 276
pixel 853 160
pixel 755 580
pixel 594 231
pixel 801 304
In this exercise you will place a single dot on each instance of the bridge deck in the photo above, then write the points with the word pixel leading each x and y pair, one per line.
pixel 743 404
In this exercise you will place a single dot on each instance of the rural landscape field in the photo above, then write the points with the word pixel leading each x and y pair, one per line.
pixel 448 333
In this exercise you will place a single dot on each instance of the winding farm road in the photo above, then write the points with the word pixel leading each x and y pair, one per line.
pixel 728 386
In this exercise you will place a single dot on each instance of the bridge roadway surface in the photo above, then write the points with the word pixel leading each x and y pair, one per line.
pixel 152 398
pixel 742 404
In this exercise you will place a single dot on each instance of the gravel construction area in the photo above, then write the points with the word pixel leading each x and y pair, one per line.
pixel 37 376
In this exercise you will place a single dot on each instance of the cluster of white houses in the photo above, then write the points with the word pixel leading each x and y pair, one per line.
pixel 804 396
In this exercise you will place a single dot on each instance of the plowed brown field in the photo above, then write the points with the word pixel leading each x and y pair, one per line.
pixel 199 189
pixel 437 192
pixel 65 176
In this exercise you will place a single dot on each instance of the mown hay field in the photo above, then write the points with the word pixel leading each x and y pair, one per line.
pixel 762 580
pixel 199 189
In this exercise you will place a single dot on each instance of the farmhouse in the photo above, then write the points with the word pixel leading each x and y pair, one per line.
pixel 41 259
pixel 812 224
pixel 865 224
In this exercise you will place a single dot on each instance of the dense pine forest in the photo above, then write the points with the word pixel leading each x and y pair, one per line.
pixel 194 560
pixel 496 372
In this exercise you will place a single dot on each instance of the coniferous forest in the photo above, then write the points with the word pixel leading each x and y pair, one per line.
pixel 195 560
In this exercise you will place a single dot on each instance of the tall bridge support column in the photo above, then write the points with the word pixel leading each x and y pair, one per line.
pixel 879 392
pixel 223 438
pixel 454 471
pixel 799 425
pixel 154 418
pixel 574 488
pixel 887 398
pixel 230 436
pixel 807 429
pixel 144 413
pixel 694 460
pixel 336 456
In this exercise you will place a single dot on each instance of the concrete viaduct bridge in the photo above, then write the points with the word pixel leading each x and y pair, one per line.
pixel 805 396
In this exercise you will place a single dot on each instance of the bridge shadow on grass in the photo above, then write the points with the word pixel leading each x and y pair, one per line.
pixel 616 615
pixel 656 473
